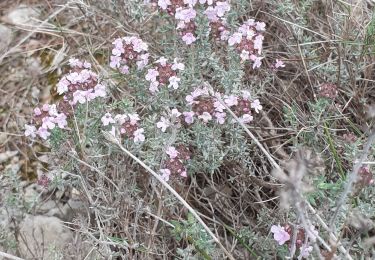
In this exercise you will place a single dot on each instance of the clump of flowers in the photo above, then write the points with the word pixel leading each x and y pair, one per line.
pixel 174 165
pixel 365 177
pixel 45 119
pixel 284 234
pixel 328 90
pixel 207 107
pixel 127 125
pixel 80 85
pixel 248 41
pixel 164 74
pixel 129 52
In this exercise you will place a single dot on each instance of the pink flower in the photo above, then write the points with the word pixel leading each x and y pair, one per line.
pixel 279 234
pixel 43 133
pixel 139 45
pixel 45 107
pixel 165 174
pixel 37 111
pixel 75 63
pixel 218 106
pixel 152 74
pixel 79 96
pixel 246 118
pixel 205 117
pixel 134 118
pixel 115 62
pixel 246 94
pixel 189 117
pixel 47 122
pixel 279 64
pixel 220 117
pixel 236 38
pixel 183 174
pixel 138 135
pixel 163 124
pixel 53 110
pixel 107 119
pixel 260 26
pixel 143 61
pixel 211 14
pixel 30 130
pixel 100 90
pixel 172 152
pixel 124 69
pixel 256 105
pixel 258 43
pixel 221 8
pixel 190 2
pixel 257 62
pixel 118 43
pixel 231 101
pixel 305 251
pixel 163 4
pixel 60 120
pixel 118 51
pixel 189 38
pixel 62 86
pixel 175 112
pixel 162 61
pixel 154 87
pixel 186 14
pixel 245 55
pixel 173 82
pixel 177 66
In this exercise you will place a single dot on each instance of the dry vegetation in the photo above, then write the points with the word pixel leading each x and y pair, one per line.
pixel 297 168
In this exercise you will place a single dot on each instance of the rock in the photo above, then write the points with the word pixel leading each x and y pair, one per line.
pixel 23 15
pixel 43 237
pixel 6 38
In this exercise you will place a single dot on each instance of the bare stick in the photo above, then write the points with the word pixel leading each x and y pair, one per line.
pixel 8 256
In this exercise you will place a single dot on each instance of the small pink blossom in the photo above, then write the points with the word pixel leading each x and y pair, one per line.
pixel 260 26
pixel 73 62
pixel 134 118
pixel 162 61
pixel 115 62
pixel 236 38
pixel 279 64
pixel 189 117
pixel 124 69
pixel 43 133
pixel 185 14
pixel 143 61
pixel 175 112
pixel 154 87
pixel 30 130
pixel 183 174
pixel 256 105
pixel 107 119
pixel 246 94
pixel 245 55
pixel 60 120
pixel 152 74
pixel 45 107
pixel 221 8
pixel 305 251
pixel 205 117
pixel 231 101
pixel 62 86
pixel 48 122
pixel 163 4
pixel 118 51
pixel 37 111
pixel 163 124
pixel 172 152
pixel 177 65
pixel 246 118
pixel 100 90
pixel 211 14
pixel 138 135
pixel 189 38
pixel 173 82
pixel 165 174
pixel 279 234
pixel 220 117
pixel 257 62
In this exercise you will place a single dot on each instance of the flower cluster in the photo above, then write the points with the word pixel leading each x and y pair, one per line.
pixel 45 119
pixel 164 73
pixel 365 177
pixel 248 41
pixel 284 234
pixel 175 163
pixel 126 124
pixel 328 90
pixel 207 107
pixel 184 12
pixel 80 85
pixel 128 52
